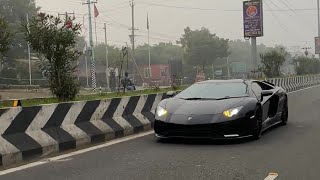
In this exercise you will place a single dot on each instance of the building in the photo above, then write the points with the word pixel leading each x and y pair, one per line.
pixel 160 75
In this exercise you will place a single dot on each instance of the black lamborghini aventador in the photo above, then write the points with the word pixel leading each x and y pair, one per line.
pixel 222 109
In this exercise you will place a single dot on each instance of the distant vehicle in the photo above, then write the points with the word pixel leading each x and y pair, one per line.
pixel 222 109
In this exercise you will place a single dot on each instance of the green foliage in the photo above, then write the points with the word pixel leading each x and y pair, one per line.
pixel 4 36
pixel 272 61
pixel 305 65
pixel 202 48
pixel 113 55
pixel 14 12
pixel 160 53
pixel 55 43
pixel 240 52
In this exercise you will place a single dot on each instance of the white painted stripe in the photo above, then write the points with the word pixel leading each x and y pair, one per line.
pixel 105 128
pixel 81 137
pixel 128 129
pixel 140 104
pixel 143 120
pixel 7 118
pixel 42 117
pixel 73 113
pixel 102 126
pixel 271 176
pixel 101 109
pixel 122 105
pixel 65 156
pixel 156 102
pixel 10 154
pixel 48 144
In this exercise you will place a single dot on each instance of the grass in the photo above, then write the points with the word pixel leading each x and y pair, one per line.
pixel 90 97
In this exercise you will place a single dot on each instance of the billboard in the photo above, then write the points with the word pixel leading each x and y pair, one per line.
pixel 253 18
pixel 317 45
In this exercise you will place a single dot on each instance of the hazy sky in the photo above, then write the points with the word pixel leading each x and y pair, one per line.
pixel 289 22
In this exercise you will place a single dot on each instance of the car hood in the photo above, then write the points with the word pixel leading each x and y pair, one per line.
pixel 176 106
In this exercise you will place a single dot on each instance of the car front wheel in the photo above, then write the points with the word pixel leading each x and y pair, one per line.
pixel 257 132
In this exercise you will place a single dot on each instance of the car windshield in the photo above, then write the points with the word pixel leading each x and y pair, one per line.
pixel 214 90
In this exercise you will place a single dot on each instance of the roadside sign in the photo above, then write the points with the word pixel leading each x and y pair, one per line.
pixel 317 45
pixel 239 67
pixel 253 18
pixel 218 72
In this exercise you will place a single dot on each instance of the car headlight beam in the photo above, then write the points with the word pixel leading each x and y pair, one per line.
pixel 161 111
pixel 232 112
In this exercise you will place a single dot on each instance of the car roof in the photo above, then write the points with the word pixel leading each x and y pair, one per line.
pixel 225 81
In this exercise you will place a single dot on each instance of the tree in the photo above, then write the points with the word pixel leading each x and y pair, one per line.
pixel 203 48
pixel 305 65
pixel 4 38
pixel 240 52
pixel 15 12
pixel 113 55
pixel 56 44
pixel 272 61
pixel 160 53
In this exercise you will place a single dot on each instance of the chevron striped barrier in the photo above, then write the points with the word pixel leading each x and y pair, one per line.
pixel 295 83
pixel 31 132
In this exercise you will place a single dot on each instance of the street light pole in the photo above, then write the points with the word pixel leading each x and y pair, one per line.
pixel 91 47
pixel 29 56
pixel 318 9
pixel 107 54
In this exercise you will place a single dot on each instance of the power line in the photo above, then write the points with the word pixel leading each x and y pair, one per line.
pixel 276 18
pixel 212 9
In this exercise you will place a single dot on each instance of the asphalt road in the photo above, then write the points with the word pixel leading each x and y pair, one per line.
pixel 292 151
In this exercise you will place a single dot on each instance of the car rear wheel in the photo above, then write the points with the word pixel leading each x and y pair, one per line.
pixel 285 113
pixel 257 132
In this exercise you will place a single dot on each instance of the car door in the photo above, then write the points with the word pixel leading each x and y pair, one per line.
pixel 257 90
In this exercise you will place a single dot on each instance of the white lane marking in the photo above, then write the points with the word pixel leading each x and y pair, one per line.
pixel 272 176
pixel 64 157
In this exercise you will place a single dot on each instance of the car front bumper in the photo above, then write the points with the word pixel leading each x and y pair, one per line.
pixel 224 130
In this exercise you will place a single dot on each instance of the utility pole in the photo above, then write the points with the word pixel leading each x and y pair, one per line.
pixel 149 48
pixel 133 36
pixel 254 51
pixel 318 9
pixel 107 58
pixel 91 49
pixel 228 66
pixel 318 5
pixel 29 55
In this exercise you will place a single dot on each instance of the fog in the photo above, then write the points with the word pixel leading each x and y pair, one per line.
pixel 292 23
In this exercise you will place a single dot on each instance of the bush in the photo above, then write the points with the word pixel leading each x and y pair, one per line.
pixel 55 42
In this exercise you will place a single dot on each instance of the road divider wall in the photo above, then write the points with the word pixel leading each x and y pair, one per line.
pixel 34 132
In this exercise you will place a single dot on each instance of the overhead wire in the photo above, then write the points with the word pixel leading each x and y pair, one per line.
pixel 276 18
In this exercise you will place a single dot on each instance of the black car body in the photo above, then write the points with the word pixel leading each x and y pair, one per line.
pixel 222 109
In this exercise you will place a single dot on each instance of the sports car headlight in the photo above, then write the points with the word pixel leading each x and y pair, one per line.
pixel 232 112
pixel 161 111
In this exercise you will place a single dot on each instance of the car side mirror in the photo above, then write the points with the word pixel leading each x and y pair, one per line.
pixel 266 93
pixel 171 94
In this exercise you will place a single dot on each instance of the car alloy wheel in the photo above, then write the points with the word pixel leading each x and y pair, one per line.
pixel 258 129
pixel 285 114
